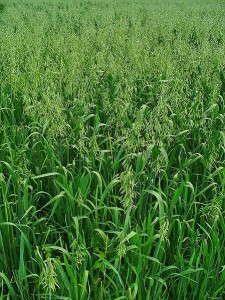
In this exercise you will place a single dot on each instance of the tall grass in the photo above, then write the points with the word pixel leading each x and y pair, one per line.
pixel 112 149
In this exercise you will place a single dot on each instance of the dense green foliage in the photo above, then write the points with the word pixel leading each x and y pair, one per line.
pixel 112 149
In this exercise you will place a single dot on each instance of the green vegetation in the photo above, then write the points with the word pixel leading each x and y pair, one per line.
pixel 112 149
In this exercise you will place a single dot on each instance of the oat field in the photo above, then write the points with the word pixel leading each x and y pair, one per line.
pixel 112 149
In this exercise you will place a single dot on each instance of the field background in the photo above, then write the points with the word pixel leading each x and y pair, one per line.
pixel 112 149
